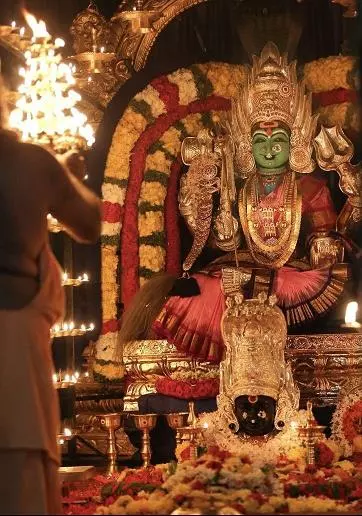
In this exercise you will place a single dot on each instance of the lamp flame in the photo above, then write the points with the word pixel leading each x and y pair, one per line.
pixel 351 313
pixel 38 27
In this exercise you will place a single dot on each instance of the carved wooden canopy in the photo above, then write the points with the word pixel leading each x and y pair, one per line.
pixel 130 46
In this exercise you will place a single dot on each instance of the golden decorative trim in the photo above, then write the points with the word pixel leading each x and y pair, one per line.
pixel 321 364
pixel 170 9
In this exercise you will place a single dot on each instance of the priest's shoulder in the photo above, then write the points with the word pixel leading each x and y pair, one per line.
pixel 35 155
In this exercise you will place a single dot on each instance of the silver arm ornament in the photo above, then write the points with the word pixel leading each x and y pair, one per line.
pixel 226 228
pixel 197 189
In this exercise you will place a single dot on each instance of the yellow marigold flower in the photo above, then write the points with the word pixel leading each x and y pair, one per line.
pixel 250 505
pixel 181 490
pixel 158 161
pixel 134 120
pixel 193 124
pixel 328 73
pixel 334 114
pixel 149 222
pixel 154 193
pixel 108 273
pixel 152 257
pixel 171 140
pixel 346 465
pixel 276 501
pixel 109 257
pixel 266 508
pixel 152 97
pixel 185 81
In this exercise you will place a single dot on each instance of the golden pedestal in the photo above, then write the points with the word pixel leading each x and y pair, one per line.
pixel 321 365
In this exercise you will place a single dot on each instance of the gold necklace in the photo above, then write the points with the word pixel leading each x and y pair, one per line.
pixel 276 252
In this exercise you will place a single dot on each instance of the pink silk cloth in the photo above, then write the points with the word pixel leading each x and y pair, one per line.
pixel 29 404
pixel 193 324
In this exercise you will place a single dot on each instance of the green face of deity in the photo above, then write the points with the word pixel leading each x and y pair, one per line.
pixel 271 150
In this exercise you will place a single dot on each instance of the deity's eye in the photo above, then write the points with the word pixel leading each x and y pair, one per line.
pixel 258 140
pixel 262 414
pixel 244 415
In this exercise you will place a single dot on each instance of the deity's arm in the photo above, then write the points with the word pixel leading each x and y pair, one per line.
pixel 325 249
pixel 210 177
pixel 334 152
pixel 226 228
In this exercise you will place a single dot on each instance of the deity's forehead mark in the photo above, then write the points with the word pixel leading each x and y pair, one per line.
pixel 270 128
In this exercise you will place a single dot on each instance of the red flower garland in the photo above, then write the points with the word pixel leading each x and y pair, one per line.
pixel 129 234
pixel 112 212
pixel 350 416
pixel 337 96
pixel 185 390
pixel 324 455
pixel 167 91
pixel 173 250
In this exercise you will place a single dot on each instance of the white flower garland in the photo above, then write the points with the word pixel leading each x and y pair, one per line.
pixel 265 451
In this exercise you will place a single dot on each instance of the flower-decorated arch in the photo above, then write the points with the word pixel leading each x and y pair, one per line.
pixel 140 229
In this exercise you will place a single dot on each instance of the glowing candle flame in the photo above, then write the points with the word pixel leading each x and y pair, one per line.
pixel 67 432
pixel 38 27
pixel 351 313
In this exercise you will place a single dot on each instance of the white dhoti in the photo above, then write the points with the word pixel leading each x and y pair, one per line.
pixel 29 408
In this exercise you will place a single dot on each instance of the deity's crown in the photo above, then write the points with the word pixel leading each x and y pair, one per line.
pixel 272 93
pixel 272 88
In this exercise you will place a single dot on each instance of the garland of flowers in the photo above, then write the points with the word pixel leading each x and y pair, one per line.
pixel 334 83
pixel 141 178
pixel 346 420
pixel 140 230
pixel 219 482
pixel 284 443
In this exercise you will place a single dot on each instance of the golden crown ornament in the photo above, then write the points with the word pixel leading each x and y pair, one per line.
pixel 272 93
pixel 255 334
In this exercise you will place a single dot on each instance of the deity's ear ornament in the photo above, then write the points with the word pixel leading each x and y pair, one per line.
pixel 302 135
pixel 272 94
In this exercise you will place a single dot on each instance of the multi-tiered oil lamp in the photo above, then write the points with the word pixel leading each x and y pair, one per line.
pixel 311 433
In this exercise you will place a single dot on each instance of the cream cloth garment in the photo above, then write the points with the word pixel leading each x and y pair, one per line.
pixel 29 405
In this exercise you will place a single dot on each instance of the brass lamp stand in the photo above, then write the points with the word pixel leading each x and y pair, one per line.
pixel 145 423
pixel 191 432
pixel 310 434
pixel 112 422
pixel 177 421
